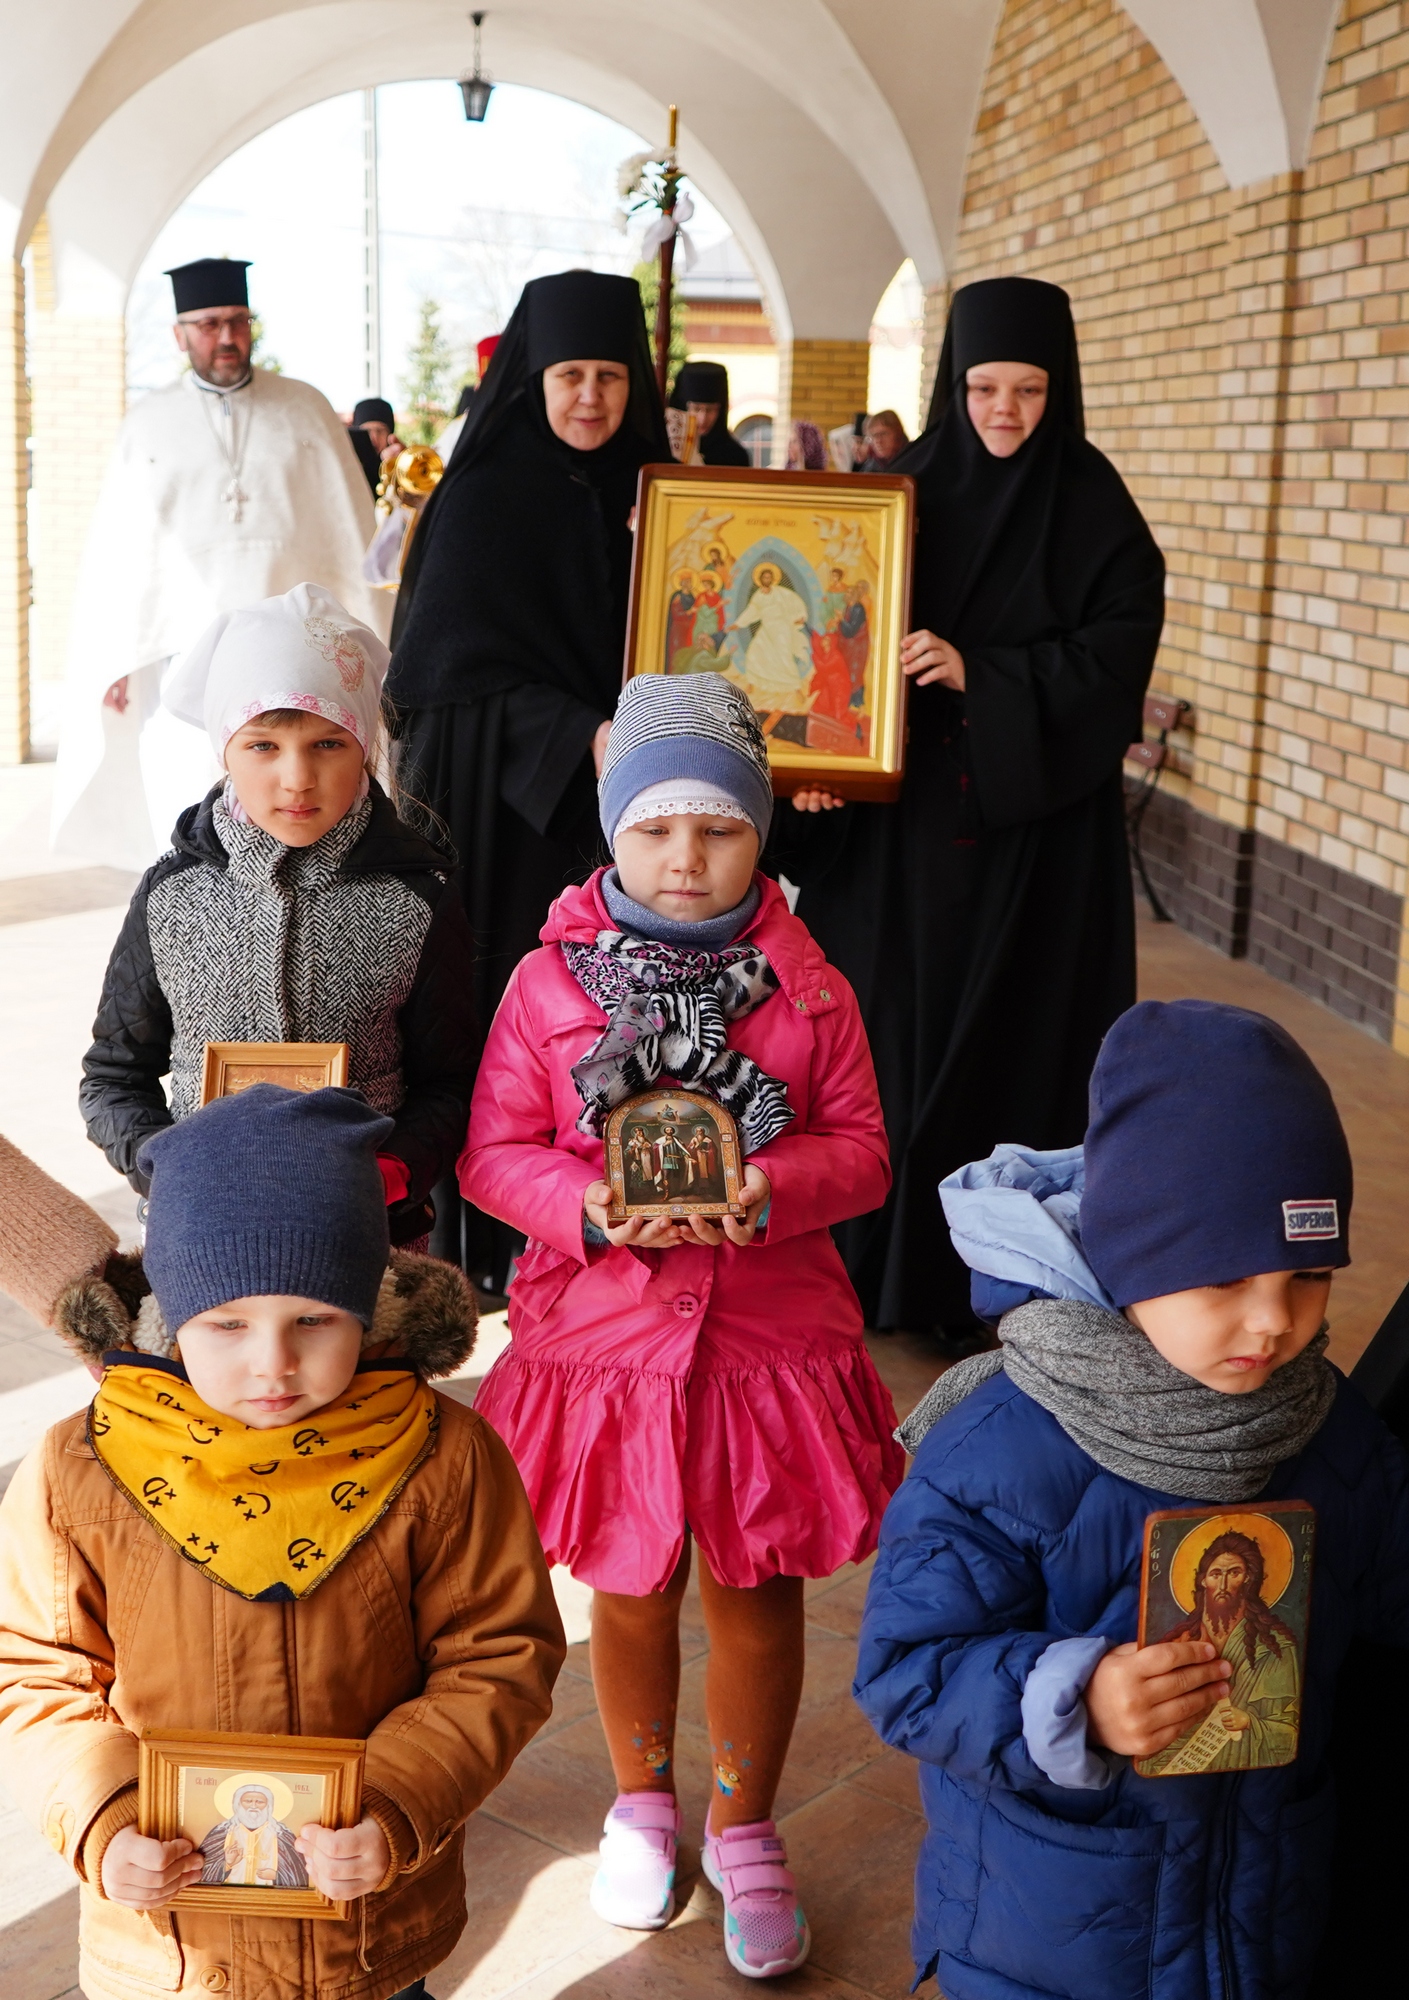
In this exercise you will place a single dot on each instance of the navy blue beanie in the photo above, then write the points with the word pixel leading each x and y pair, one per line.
pixel 268 1192
pixel 1214 1152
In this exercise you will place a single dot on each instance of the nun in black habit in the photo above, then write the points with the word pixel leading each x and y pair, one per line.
pixel 511 619
pixel 986 919
pixel 703 386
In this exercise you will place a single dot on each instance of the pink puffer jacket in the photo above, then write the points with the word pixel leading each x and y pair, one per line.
pixel 725 1389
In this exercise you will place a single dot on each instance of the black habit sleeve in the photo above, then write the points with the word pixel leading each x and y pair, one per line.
pixel 440 1050
pixel 545 735
pixel 1049 721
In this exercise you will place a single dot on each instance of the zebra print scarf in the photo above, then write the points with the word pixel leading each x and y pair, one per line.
pixel 668 1009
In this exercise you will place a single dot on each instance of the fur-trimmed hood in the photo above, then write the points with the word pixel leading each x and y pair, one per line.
pixel 426 1309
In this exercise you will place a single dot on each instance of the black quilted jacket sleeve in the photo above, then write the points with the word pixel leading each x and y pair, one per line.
pixel 121 1096
pixel 440 1050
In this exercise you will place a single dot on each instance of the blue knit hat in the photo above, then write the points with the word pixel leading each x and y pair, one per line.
pixel 268 1192
pixel 1214 1152
pixel 678 726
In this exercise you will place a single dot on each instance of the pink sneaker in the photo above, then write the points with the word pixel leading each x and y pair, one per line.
pixel 635 1885
pixel 765 1931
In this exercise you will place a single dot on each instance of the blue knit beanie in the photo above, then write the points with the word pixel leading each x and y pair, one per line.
pixel 695 726
pixel 1214 1152
pixel 268 1192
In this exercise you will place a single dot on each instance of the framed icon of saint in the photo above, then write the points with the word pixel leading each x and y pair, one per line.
pixel 242 1800
pixel 233 1066
pixel 1239 1578
pixel 672 1153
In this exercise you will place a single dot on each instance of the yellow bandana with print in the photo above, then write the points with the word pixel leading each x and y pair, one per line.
pixel 265 1513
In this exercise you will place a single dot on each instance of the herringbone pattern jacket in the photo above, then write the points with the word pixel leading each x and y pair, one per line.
pixel 231 936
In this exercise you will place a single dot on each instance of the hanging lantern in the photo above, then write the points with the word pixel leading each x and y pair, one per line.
pixel 476 88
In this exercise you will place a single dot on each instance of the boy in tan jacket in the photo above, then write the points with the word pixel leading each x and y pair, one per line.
pixel 267 1521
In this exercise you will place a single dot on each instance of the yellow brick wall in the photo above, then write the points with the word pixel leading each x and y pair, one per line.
pixel 78 392
pixel 14 560
pixel 824 381
pixel 937 299
pixel 1246 367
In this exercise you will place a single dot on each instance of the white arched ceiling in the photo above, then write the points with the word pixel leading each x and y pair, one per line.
pixel 782 127
pixel 48 50
pixel 163 140
pixel 1252 71
pixel 832 133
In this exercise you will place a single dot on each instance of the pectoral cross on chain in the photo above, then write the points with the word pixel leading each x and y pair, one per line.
pixel 234 495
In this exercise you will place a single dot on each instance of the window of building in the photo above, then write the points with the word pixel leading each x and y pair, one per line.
pixel 755 434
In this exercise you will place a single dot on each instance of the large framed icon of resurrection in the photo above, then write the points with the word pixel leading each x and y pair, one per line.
pixel 242 1801
pixel 796 587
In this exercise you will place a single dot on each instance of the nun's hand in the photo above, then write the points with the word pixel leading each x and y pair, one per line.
pixel 116 696
pixel 599 746
pixel 930 658
pixel 815 799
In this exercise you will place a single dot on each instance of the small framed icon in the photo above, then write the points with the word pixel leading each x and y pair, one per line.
pixel 673 1153
pixel 242 1801
pixel 233 1066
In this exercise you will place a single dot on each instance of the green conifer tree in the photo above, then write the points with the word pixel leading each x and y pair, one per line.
pixel 428 384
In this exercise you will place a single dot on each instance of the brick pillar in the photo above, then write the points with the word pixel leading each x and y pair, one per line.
pixel 937 299
pixel 823 381
pixel 78 386
pixel 14 548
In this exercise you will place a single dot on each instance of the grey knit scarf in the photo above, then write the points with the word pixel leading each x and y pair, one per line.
pixel 1137 1415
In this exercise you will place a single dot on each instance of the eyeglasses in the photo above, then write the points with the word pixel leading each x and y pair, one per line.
pixel 235 322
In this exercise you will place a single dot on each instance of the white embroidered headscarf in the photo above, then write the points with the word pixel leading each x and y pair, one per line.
pixel 301 650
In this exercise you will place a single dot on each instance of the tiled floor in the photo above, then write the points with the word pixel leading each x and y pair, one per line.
pixel 848 1806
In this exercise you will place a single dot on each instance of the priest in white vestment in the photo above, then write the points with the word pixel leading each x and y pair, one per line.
pixel 231 485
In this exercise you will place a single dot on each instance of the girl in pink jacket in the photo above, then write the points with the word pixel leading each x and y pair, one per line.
pixel 670 1381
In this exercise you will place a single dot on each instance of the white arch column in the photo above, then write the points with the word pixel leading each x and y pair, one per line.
pixel 78 391
pixel 14 543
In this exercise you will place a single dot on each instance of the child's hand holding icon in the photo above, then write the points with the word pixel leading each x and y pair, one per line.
pixel 757 1192
pixel 658 1232
pixel 345 1864
pixel 641 1232
pixel 1141 1697
pixel 144 1874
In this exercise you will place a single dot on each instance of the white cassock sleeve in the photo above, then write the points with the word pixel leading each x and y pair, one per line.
pixel 138 598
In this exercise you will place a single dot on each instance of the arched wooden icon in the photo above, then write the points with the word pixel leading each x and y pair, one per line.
pixel 675 1153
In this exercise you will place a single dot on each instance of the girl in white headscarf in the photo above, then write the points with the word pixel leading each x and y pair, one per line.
pixel 293 906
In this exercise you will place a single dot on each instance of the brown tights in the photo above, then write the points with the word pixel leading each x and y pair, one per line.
pixel 752 1686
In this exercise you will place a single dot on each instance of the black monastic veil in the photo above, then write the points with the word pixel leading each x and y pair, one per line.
pixel 986 919
pixel 511 621
pixel 708 382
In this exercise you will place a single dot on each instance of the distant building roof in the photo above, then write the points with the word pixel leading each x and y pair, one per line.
pixel 721 272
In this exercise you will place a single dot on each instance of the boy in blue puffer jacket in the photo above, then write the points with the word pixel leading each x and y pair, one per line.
pixel 1163 1293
